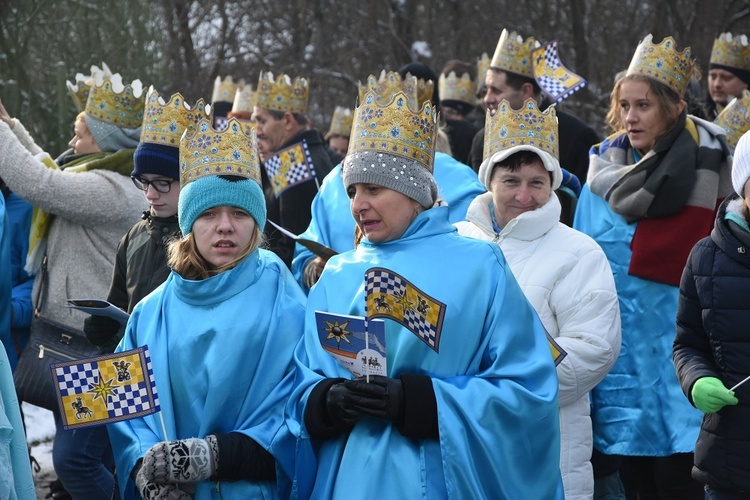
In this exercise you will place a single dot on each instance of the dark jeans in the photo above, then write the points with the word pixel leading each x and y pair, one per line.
pixel 660 478
pixel 84 461
pixel 713 494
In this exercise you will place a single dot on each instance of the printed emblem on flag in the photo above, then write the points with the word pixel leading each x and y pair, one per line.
pixel 105 389
pixel 389 295
pixel 289 167
pixel 551 75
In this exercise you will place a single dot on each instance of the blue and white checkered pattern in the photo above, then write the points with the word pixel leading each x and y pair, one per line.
pixel 74 379
pixel 552 76
pixel 151 379
pixel 285 169
pixel 130 399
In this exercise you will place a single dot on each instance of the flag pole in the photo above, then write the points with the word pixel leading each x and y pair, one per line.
pixel 367 337
pixel 163 425
pixel 733 388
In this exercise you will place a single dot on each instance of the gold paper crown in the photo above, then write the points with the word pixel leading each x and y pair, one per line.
pixel 281 94
pixel 205 152
pixel 527 126
pixel 453 88
pixel 731 51
pixel 79 91
pixel 224 89
pixel 735 118
pixel 112 102
pixel 388 84
pixel 164 123
pixel 425 88
pixel 483 64
pixel 392 127
pixel 662 63
pixel 244 99
pixel 341 123
pixel 513 54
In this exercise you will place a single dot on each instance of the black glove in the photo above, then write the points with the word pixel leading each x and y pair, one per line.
pixel 343 405
pixel 331 409
pixel 382 397
pixel 100 330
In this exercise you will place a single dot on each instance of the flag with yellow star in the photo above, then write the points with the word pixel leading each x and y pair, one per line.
pixel 289 167
pixel 357 345
pixel 105 389
pixel 390 295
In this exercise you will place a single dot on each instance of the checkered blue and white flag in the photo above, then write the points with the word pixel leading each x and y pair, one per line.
pixel 551 75
pixel 289 167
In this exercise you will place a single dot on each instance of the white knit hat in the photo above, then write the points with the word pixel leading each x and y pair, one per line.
pixel 741 165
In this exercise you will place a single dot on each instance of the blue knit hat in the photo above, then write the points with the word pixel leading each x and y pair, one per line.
pixel 157 159
pixel 220 168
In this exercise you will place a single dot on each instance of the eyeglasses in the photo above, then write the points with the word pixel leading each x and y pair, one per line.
pixel 161 185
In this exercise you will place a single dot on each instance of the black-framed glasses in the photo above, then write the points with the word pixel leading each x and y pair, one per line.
pixel 161 185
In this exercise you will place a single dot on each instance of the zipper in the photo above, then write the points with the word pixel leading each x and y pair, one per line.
pixel 54 352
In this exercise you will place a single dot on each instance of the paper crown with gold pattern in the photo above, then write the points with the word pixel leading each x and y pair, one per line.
pixel 389 125
pixel 662 63
pixel 528 126
pixel 224 89
pixel 79 91
pixel 282 94
pixel 341 122
pixel 735 118
pixel 453 88
pixel 732 51
pixel 513 54
pixel 244 99
pixel 112 102
pixel 388 84
pixel 207 151
pixel 425 89
pixel 483 64
pixel 165 122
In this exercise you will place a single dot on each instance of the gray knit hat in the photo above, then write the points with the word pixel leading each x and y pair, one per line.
pixel 393 146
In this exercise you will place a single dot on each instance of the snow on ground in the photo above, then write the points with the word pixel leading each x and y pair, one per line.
pixel 40 431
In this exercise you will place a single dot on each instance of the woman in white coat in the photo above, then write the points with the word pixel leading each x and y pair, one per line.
pixel 564 273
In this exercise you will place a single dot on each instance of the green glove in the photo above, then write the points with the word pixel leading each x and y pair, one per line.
pixel 710 395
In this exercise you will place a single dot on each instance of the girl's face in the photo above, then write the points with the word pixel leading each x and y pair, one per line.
pixel 642 116
pixel 83 142
pixel 222 233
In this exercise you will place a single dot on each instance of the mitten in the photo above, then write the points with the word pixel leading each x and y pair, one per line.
pixel 710 395
pixel 382 397
pixel 183 461
pixel 152 491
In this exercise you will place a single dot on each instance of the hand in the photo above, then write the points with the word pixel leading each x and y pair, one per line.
pixel 153 491
pixel 4 116
pixel 100 329
pixel 184 461
pixel 341 405
pixel 313 270
pixel 382 397
pixel 710 395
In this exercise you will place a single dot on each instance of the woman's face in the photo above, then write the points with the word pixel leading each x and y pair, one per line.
pixel 523 190
pixel 382 214
pixel 641 115
pixel 222 233
pixel 83 142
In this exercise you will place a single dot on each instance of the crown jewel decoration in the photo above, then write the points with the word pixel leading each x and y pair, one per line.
pixel 388 84
pixel 232 151
pixel 79 91
pixel 513 54
pixel 731 51
pixel 341 123
pixel 282 94
pixel 526 126
pixel 663 63
pixel 243 99
pixel 453 88
pixel 112 102
pixel 164 123
pixel 394 128
pixel 224 89
pixel 735 118
pixel 483 64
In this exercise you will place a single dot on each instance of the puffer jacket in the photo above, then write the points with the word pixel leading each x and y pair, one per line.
pixel 713 340
pixel 567 279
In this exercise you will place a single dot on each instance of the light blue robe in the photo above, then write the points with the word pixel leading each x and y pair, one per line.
pixel 493 377
pixel 221 350
pixel 639 408
pixel 332 223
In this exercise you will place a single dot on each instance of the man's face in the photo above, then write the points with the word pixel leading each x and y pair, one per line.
pixel 272 133
pixel 498 89
pixel 724 86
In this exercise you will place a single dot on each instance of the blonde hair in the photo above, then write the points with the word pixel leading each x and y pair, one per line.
pixel 185 259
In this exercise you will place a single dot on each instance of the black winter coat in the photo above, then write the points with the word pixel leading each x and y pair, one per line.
pixel 713 340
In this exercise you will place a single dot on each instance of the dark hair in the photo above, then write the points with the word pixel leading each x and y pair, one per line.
pixel 516 81
pixel 459 68
pixel 300 118
pixel 520 159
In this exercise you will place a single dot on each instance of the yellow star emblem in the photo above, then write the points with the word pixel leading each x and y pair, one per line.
pixel 404 302
pixel 337 331
pixel 102 389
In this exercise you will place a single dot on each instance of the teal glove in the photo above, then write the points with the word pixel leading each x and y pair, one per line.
pixel 710 395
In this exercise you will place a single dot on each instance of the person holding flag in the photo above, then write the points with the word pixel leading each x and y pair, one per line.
pixel 469 403
pixel 220 331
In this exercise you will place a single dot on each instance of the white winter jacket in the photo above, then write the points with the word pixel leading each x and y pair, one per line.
pixel 567 278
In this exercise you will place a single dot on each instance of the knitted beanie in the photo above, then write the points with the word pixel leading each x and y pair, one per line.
pixel 111 138
pixel 215 191
pixel 741 165
pixel 157 159
pixel 742 74
pixel 408 177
